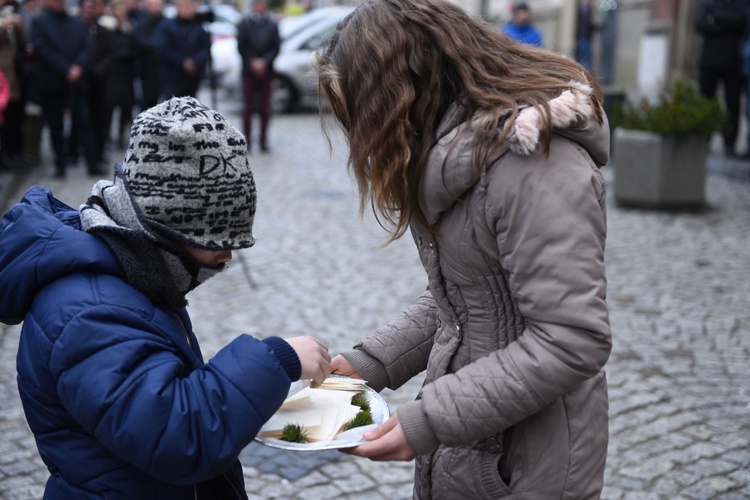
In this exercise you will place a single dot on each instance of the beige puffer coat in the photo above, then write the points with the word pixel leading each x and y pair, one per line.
pixel 514 330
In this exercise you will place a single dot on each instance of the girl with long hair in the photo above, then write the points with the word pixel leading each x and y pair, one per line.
pixel 488 151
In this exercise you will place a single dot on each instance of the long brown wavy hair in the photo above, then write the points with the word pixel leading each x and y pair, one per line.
pixel 392 68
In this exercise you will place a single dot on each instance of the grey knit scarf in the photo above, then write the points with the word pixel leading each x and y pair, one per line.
pixel 152 263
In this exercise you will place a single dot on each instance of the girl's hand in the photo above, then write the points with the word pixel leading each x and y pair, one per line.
pixel 387 442
pixel 340 366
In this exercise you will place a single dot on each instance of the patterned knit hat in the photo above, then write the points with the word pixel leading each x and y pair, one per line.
pixel 187 172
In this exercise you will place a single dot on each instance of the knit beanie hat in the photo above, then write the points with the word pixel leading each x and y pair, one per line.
pixel 187 173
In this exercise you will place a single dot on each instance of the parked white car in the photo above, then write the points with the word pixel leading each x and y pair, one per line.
pixel 295 83
pixel 225 19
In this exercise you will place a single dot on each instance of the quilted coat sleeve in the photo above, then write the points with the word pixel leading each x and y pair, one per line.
pixel 120 376
pixel 549 218
pixel 393 354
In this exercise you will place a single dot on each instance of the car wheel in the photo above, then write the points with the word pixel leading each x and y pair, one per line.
pixel 284 97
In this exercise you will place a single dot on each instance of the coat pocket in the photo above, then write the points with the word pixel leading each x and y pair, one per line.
pixel 468 473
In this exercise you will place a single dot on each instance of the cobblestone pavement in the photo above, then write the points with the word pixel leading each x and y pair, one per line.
pixel 679 291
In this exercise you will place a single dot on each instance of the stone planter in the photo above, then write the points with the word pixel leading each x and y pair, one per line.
pixel 655 171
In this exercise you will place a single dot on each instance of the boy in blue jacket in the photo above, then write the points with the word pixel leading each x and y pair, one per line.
pixel 110 374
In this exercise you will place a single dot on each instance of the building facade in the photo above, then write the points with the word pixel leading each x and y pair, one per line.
pixel 639 46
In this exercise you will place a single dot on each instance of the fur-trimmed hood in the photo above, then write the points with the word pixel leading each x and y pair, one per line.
pixel 570 112
pixel 450 171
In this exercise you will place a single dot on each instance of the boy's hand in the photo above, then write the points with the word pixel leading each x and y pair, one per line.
pixel 314 358
pixel 341 366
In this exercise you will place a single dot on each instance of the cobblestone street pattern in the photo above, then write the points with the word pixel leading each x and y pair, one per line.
pixel 679 292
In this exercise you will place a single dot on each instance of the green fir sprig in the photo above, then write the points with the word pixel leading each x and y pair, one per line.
pixel 361 401
pixel 364 417
pixel 294 433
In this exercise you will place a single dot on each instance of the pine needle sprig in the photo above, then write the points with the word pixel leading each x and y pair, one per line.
pixel 364 417
pixel 294 433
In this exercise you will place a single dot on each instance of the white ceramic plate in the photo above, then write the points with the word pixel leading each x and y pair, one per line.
pixel 347 439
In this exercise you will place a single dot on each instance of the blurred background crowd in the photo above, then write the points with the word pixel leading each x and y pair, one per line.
pixel 84 68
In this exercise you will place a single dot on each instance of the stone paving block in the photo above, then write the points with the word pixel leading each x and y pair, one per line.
pixel 670 423
pixel 712 467
pixel 400 492
pixel 354 484
pixel 678 369
pixel 391 472
pixel 19 487
pixel 16 454
pixel 19 468
pixel 312 479
pixel 631 484
pixel 741 475
pixel 737 495
pixel 651 469
pixel 659 447
pixel 732 441
pixel 612 493
pixel 341 470
pixel 698 451
pixel 285 463
pixel 279 489
pixel 712 487
pixel 640 495
pixel 685 478
pixel 635 402
pixel 666 487
pixel 321 491
pixel 700 432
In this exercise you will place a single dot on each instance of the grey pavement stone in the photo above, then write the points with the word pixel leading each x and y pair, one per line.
pixel 400 492
pixel 314 478
pixel 712 487
pixel 743 494
pixel 679 294
pixel 665 487
pixel 287 464
pixel 642 496
pixel 612 493
pixel 355 484
pixel 320 491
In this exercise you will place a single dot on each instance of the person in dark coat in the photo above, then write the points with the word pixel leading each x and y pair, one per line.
pixel 147 53
pixel 121 81
pixel 62 49
pixel 12 55
pixel 96 77
pixel 258 42
pixel 110 373
pixel 184 47
pixel 585 28
pixel 722 24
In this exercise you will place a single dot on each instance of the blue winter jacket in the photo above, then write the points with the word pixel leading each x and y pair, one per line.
pixel 524 33
pixel 114 389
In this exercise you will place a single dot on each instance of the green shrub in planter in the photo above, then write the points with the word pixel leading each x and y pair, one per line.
pixel 679 112
pixel 660 149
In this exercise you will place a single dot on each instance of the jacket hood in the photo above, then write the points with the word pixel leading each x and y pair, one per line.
pixel 41 241
pixel 450 171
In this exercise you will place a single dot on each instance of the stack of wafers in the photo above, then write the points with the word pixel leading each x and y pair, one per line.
pixel 322 412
